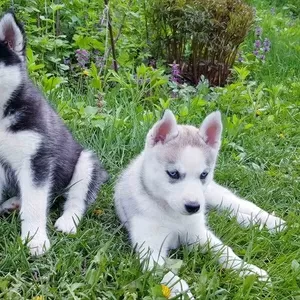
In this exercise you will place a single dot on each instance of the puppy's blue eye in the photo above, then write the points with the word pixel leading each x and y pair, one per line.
pixel 173 174
pixel 203 175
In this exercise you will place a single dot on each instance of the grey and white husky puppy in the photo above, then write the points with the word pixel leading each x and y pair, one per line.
pixel 39 158
pixel 162 196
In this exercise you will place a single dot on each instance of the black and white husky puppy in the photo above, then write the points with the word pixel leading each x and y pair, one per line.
pixel 38 156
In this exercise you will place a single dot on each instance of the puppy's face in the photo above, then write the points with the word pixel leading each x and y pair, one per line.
pixel 12 54
pixel 180 160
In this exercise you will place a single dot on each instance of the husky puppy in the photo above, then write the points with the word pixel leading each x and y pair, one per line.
pixel 38 156
pixel 161 197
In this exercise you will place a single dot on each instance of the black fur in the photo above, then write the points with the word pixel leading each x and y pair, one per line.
pixel 12 188
pixel 8 57
pixel 99 174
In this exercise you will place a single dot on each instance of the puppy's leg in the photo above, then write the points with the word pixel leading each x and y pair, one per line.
pixel 34 202
pixel 152 242
pixel 227 258
pixel 246 212
pixel 2 183
pixel 10 205
pixel 84 186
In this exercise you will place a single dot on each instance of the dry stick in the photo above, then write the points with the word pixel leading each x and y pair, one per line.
pixel 111 39
pixel 122 23
pixel 120 29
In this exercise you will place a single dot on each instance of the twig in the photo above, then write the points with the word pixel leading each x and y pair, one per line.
pixel 120 28
pixel 111 39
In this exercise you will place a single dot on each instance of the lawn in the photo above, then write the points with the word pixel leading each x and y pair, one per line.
pixel 111 113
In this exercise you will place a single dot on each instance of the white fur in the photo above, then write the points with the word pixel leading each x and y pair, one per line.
pixel 33 211
pixel 10 79
pixel 153 209
pixel 74 207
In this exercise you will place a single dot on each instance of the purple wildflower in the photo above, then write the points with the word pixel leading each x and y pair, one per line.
pixel 257 44
pixel 98 59
pixel 82 56
pixel 256 52
pixel 258 31
pixel 175 73
pixel 262 57
pixel 267 43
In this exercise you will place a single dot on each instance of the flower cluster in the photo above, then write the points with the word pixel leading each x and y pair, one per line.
pixel 99 60
pixel 83 57
pixel 175 73
pixel 261 47
pixel 258 31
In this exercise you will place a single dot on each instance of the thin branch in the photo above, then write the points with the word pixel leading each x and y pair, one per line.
pixel 111 39
pixel 120 29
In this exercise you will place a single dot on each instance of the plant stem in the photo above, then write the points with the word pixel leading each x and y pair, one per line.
pixel 111 39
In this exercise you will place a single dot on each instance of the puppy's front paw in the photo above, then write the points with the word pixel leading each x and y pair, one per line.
pixel 66 224
pixel 177 286
pixel 38 244
pixel 249 269
pixel 275 224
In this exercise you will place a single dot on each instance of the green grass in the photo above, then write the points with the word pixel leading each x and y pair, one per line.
pixel 259 159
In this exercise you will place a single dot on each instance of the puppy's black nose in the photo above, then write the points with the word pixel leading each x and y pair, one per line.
pixel 192 207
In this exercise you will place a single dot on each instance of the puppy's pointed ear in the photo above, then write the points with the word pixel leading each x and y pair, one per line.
pixel 164 130
pixel 211 130
pixel 12 33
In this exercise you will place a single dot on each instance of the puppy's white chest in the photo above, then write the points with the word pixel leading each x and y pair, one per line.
pixel 15 148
